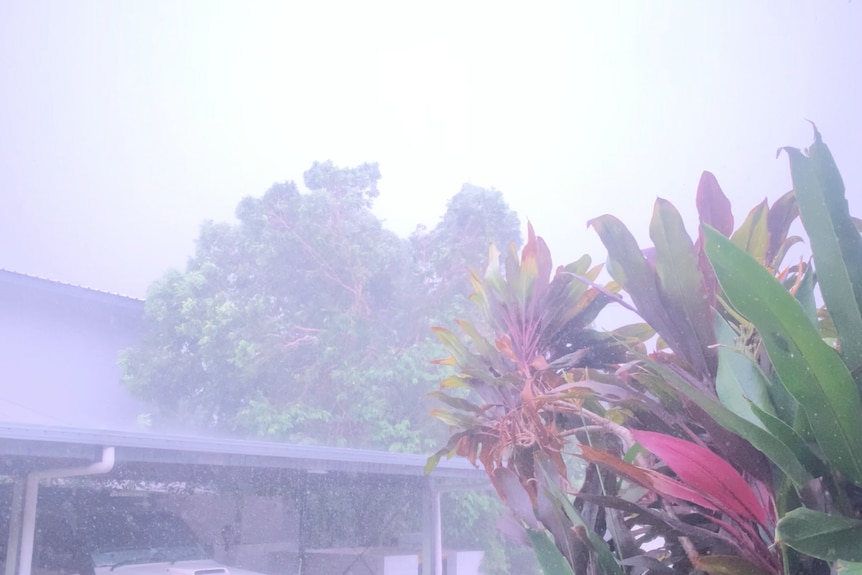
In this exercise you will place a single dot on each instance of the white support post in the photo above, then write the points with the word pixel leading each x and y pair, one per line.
pixel 432 540
pixel 16 518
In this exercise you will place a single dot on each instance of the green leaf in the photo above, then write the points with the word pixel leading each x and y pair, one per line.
pixel 607 562
pixel 753 235
pixel 777 452
pixel 805 295
pixel 485 348
pixel 456 402
pixel 835 242
pixel 829 537
pixel 847 568
pixel 739 383
pixel 630 269
pixel 448 450
pixel 789 437
pixel 781 216
pixel 681 288
pixel 468 363
pixel 550 558
pixel 810 370
pixel 727 565
pixel 454 418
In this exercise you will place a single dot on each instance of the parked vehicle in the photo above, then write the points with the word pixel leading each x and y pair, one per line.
pixel 92 537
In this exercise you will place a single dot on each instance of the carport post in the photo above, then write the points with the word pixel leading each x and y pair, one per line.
pixel 432 544
pixel 16 517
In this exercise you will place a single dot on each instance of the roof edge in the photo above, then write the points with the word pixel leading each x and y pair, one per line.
pixel 71 290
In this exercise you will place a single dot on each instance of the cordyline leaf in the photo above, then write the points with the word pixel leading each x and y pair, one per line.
pixel 779 453
pixel 784 248
pixel 713 207
pixel 515 496
pixel 727 565
pixel 486 350
pixel 525 302
pixel 829 537
pixel 650 516
pixel 681 288
pixel 553 518
pixel 707 472
pixel 452 380
pixel 811 370
pixel 456 402
pixel 753 235
pixel 630 269
pixel 570 303
pixel 446 450
pixel 509 526
pixel 739 381
pixel 550 558
pixel 835 242
pixel 459 351
pixel 588 306
pixel 805 295
pixel 661 484
pixel 550 482
pixel 581 267
pixel 778 221
pixel 453 418
pixel 634 333
pixel 789 437
pixel 529 277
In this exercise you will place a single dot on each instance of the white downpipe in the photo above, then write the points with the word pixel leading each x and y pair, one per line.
pixel 31 494
pixel 438 532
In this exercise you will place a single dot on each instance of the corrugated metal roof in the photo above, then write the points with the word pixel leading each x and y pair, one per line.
pixel 152 448
pixel 51 441
pixel 81 292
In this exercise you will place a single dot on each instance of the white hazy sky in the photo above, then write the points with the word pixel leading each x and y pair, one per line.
pixel 124 124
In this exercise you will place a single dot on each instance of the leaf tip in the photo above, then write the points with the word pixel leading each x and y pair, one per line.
pixel 818 139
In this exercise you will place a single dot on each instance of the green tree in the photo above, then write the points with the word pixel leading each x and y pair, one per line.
pixel 306 320
pixel 475 218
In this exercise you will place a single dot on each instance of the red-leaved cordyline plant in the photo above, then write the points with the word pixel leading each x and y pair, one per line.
pixel 712 445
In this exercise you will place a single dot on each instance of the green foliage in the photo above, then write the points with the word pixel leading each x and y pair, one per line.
pixel 808 368
pixel 736 440
pixel 307 321
pixel 821 535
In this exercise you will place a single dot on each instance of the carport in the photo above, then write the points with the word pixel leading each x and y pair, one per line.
pixel 31 453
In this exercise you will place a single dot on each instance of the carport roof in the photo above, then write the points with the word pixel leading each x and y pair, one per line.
pixel 62 446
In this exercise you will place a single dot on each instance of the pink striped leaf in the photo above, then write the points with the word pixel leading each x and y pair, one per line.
pixel 653 480
pixel 706 472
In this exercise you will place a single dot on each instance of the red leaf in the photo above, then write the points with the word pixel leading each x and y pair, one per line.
pixel 661 484
pixel 713 207
pixel 707 472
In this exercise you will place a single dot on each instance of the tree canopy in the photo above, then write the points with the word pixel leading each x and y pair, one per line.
pixel 308 321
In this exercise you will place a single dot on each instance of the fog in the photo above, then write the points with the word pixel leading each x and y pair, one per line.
pixel 298 192
pixel 125 125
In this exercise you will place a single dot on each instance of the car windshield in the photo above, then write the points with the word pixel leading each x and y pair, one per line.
pixel 135 537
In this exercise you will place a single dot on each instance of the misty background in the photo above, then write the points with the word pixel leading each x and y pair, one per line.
pixel 124 125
